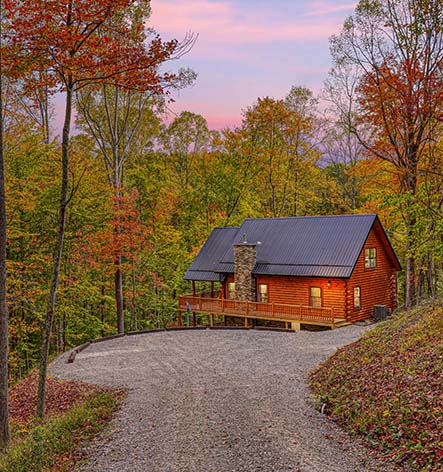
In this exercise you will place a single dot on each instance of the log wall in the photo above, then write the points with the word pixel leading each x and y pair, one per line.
pixel 377 285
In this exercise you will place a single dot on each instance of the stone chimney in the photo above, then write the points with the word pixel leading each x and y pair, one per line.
pixel 245 257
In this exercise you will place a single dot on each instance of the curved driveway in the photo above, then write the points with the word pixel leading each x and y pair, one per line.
pixel 217 401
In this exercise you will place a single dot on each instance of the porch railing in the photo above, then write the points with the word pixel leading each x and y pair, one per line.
pixel 204 304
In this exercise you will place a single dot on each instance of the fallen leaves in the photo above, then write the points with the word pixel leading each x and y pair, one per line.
pixel 61 396
pixel 388 387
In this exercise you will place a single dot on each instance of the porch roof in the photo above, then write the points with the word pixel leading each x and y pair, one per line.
pixel 206 266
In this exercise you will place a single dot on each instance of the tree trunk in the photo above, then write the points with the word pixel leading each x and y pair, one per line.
pixel 410 222
pixel 134 317
pixel 118 283
pixel 57 256
pixel 102 307
pixel 4 350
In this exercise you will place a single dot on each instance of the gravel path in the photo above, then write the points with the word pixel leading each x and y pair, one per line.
pixel 217 401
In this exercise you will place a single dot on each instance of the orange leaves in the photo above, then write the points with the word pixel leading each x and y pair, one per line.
pixel 130 234
pixel 77 42
pixel 123 234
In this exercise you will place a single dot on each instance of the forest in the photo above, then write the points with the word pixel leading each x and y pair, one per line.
pixel 103 219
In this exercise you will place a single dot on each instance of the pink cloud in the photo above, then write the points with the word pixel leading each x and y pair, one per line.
pixel 325 8
pixel 223 23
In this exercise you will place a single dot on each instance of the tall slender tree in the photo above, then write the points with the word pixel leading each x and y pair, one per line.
pixel 117 120
pixel 4 411
pixel 79 43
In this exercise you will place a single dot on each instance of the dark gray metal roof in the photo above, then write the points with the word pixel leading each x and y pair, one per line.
pixel 325 244
pixel 204 276
pixel 303 270
pixel 311 246
pixel 207 263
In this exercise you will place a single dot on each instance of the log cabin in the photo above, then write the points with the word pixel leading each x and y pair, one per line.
pixel 295 272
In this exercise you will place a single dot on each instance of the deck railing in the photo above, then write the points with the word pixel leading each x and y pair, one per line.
pixel 203 304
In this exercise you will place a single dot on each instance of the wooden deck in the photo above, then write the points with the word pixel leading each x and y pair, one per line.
pixel 202 303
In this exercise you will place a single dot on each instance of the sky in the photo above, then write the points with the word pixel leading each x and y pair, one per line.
pixel 248 49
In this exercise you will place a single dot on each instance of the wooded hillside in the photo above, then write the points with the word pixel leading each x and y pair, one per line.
pixel 388 388
pixel 103 220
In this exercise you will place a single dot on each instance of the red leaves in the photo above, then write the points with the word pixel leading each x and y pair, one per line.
pixel 80 42
pixel 123 234
pixel 61 396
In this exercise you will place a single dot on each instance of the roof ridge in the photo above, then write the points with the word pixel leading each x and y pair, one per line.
pixel 304 265
pixel 311 216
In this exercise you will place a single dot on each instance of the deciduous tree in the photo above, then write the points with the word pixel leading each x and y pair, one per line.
pixel 4 379
pixel 396 49
pixel 78 43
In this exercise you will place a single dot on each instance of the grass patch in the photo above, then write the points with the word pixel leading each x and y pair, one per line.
pixel 388 388
pixel 55 445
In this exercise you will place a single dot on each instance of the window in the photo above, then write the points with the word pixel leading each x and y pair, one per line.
pixel 315 297
pixel 262 293
pixel 231 290
pixel 370 258
pixel 357 297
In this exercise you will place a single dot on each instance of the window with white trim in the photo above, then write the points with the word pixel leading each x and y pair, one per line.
pixel 231 290
pixel 315 297
pixel 357 297
pixel 370 258
pixel 262 293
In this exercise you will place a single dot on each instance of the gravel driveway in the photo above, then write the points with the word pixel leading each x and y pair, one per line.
pixel 217 401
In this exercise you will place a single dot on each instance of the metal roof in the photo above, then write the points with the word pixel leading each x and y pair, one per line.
pixel 206 264
pixel 303 270
pixel 205 276
pixel 312 246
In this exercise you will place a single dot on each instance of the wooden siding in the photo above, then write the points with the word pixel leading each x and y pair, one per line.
pixel 377 285
pixel 295 291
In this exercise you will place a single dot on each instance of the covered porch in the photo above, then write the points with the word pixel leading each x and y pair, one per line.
pixel 292 315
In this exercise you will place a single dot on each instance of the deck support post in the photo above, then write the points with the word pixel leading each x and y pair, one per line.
pixel 286 325
pixel 193 319
pixel 179 318
pixel 296 325
pixel 246 322
pixel 211 320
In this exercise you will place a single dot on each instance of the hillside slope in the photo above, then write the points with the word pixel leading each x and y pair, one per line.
pixel 388 387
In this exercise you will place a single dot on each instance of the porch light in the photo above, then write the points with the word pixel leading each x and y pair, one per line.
pixel 329 283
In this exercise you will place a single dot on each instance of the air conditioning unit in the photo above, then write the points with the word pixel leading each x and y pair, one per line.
pixel 380 312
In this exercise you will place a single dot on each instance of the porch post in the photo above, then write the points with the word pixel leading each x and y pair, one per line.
pixel 193 288
pixel 211 319
pixel 193 319
pixel 179 318
pixel 212 289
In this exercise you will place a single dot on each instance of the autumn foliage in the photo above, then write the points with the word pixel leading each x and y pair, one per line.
pixel 62 395
pixel 388 388
pixel 82 41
